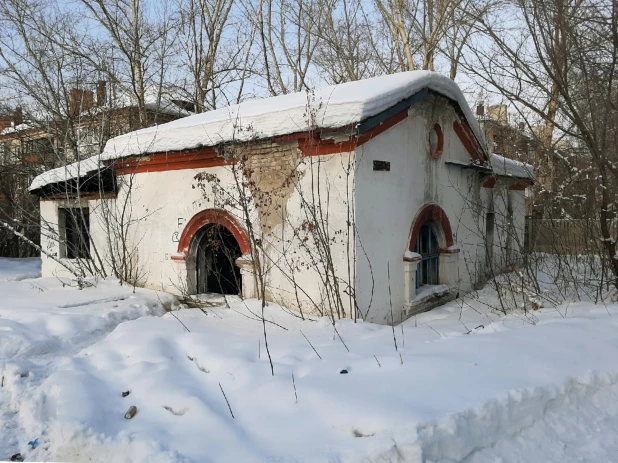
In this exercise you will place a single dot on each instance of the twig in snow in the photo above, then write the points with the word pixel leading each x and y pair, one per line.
pixel 227 401
pixel 377 361
pixel 403 337
pixel 388 270
pixel 172 313
pixel 176 317
pixel 294 383
pixel 316 352
pixel 213 312
pixel 400 358
pixel 464 325
pixel 270 359
pixel 259 349
pixel 431 327
pixel 257 317
pixel 340 338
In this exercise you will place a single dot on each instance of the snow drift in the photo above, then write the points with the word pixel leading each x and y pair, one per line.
pixel 465 383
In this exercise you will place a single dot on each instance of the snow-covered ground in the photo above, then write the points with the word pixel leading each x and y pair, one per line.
pixel 464 383
pixel 19 269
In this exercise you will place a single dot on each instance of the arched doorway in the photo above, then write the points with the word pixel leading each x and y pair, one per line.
pixel 211 243
pixel 215 251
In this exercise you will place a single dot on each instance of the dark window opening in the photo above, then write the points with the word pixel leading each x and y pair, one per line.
pixel 76 232
pixel 510 232
pixel 489 236
pixel 216 267
pixel 38 149
pixel 428 269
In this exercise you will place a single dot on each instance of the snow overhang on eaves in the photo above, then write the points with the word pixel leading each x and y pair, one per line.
pixel 505 167
pixel 88 183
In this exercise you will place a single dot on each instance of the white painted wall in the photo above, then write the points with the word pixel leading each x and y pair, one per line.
pixel 387 203
pixel 162 203
pixel 165 216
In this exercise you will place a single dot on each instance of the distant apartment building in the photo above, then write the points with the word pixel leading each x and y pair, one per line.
pixel 33 142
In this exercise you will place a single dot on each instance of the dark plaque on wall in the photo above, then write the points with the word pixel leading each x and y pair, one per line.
pixel 384 166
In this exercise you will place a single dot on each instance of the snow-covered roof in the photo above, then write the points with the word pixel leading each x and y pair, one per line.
pixel 506 167
pixel 327 107
pixel 71 171
pixel 330 107
pixel 17 128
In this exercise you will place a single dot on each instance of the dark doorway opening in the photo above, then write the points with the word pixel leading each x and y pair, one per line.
pixel 216 254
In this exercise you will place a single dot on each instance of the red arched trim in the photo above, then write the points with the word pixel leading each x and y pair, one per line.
pixel 467 138
pixel 431 212
pixel 217 216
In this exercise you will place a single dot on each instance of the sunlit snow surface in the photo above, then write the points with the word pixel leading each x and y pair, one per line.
pixel 474 385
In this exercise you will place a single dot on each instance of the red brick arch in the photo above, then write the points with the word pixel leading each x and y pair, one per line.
pixel 431 213
pixel 219 217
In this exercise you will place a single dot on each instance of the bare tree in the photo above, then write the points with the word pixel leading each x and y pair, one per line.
pixel 420 30
pixel 287 42
pixel 345 51
pixel 215 55
pixel 143 44
pixel 559 71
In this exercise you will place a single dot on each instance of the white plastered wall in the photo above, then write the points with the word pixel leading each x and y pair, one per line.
pixel 298 271
pixel 387 203
pixel 509 207
pixel 160 205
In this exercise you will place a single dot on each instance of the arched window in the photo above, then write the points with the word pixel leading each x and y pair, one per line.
pixel 431 241
pixel 427 247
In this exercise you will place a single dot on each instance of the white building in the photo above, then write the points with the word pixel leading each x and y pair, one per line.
pixel 375 199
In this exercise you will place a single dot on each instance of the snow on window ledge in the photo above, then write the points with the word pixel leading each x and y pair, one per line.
pixel 427 291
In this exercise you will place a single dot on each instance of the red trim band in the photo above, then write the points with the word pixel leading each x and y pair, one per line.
pixel 160 162
pixel 217 216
